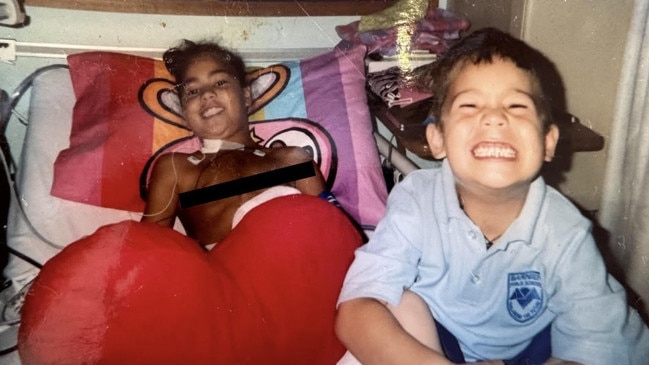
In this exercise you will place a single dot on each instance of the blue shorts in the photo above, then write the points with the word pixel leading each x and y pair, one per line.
pixel 536 353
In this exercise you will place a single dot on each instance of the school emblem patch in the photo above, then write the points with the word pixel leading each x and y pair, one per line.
pixel 525 295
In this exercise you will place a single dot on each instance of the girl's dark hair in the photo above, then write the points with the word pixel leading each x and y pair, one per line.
pixel 178 59
pixel 480 47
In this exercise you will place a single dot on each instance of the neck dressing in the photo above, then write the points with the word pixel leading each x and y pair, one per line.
pixel 214 146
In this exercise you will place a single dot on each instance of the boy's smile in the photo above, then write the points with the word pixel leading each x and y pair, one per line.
pixel 494 150
pixel 490 130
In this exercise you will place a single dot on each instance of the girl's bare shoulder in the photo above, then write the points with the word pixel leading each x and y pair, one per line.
pixel 178 161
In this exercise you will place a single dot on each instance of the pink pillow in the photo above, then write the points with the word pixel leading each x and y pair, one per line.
pixel 139 293
pixel 124 114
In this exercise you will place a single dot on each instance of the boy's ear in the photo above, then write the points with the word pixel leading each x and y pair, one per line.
pixel 551 140
pixel 435 141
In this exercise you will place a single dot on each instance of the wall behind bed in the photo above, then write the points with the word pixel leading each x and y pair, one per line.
pixel 306 34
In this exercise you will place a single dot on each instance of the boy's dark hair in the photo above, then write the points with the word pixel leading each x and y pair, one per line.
pixel 480 47
pixel 178 59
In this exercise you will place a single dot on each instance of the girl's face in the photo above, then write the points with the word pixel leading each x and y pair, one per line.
pixel 491 132
pixel 214 103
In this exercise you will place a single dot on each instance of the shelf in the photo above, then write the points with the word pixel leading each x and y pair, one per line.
pixel 224 7
pixel 405 123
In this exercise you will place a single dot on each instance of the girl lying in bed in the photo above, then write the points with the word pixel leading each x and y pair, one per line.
pixel 140 292
pixel 215 99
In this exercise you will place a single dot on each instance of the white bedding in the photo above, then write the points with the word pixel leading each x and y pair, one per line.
pixel 40 225
pixel 48 132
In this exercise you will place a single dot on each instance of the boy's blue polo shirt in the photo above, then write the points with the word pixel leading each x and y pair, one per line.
pixel 544 269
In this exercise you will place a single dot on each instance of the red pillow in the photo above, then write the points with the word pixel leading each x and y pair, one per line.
pixel 140 293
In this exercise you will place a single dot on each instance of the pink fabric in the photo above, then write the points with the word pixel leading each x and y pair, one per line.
pixel 434 33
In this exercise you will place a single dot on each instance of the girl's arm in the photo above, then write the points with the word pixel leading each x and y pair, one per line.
pixel 162 193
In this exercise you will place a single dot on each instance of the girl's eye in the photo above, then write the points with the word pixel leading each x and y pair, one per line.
pixel 467 105
pixel 518 106
pixel 190 93
pixel 220 83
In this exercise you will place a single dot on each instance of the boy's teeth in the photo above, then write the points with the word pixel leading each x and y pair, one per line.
pixel 494 152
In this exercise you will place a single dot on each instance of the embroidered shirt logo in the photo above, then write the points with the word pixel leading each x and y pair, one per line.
pixel 525 295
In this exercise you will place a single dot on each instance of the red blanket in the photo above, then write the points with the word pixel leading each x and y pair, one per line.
pixel 139 293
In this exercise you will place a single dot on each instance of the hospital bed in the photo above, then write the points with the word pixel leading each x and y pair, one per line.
pixel 96 123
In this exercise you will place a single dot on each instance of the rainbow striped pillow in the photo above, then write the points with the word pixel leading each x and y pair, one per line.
pixel 125 115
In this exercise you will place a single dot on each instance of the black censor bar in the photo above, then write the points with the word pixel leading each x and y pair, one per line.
pixel 246 184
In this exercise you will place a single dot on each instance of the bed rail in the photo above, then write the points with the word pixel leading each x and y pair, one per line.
pixel 252 57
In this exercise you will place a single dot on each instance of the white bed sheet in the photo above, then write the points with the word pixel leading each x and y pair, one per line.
pixel 48 223
pixel 39 224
